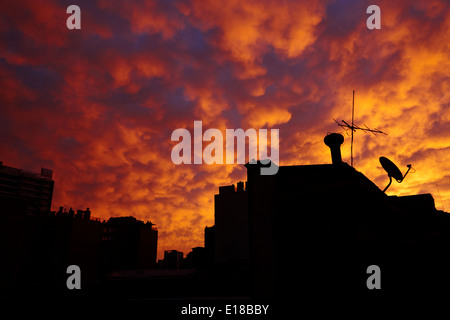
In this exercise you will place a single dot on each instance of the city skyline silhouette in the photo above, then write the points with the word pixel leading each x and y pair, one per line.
pixel 247 253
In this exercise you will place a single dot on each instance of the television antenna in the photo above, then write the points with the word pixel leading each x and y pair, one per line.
pixel 354 127
pixel 393 171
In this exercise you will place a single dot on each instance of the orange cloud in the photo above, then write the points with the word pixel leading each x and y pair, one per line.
pixel 98 105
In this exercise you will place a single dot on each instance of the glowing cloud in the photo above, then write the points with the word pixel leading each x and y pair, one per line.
pixel 98 105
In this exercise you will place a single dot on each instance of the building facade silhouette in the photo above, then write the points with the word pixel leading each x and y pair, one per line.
pixel 173 259
pixel 33 190
pixel 231 225
pixel 129 243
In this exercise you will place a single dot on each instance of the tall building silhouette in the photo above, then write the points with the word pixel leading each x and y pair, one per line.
pixel 210 244
pixel 231 225
pixel 25 198
pixel 31 191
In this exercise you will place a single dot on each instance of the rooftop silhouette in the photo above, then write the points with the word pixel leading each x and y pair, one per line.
pixel 339 223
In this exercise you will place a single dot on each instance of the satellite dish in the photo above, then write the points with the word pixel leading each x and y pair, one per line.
pixel 393 171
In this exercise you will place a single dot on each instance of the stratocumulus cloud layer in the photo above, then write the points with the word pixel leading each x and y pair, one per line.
pixel 98 105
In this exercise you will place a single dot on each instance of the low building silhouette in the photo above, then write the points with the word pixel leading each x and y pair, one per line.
pixel 129 243
pixel 38 248
pixel 197 259
pixel 173 259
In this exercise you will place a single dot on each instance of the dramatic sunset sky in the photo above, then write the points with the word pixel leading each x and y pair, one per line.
pixel 98 105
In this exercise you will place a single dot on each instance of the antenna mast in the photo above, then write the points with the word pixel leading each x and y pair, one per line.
pixel 353 118
pixel 354 127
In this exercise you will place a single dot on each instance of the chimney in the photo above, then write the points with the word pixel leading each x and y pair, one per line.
pixel 334 141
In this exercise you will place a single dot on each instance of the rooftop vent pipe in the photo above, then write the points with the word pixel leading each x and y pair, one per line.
pixel 334 141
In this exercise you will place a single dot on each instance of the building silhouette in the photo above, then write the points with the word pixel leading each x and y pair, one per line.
pixel 319 227
pixel 129 243
pixel 210 245
pixel 338 223
pixel 25 200
pixel 231 226
pixel 173 259
pixel 38 248
pixel 80 238
pixel 31 191
pixel 197 259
